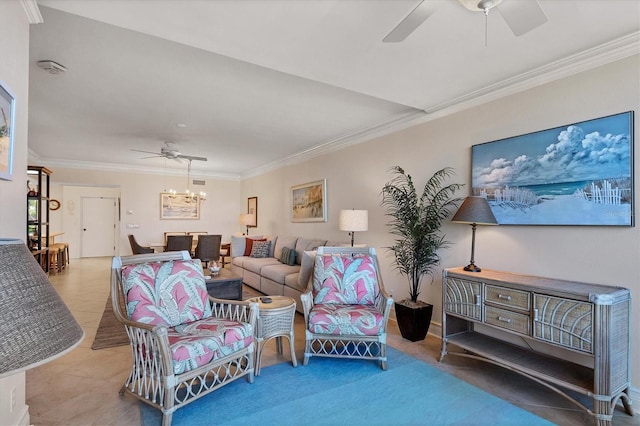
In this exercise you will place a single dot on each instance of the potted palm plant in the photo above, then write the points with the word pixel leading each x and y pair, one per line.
pixel 416 222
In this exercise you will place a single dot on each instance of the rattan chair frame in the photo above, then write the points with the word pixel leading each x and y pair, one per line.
pixel 348 346
pixel 152 378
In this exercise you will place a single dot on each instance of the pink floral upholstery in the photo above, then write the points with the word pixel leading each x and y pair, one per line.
pixel 345 280
pixel 196 344
pixel 339 319
pixel 166 293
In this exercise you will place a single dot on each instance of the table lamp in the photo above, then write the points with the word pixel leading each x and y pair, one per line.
pixel 474 211
pixel 247 219
pixel 352 221
pixel 35 324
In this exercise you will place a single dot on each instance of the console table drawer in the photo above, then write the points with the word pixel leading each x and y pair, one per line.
pixel 508 297
pixel 564 322
pixel 462 297
pixel 507 319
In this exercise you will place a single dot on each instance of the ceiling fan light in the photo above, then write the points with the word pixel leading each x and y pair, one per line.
pixel 479 5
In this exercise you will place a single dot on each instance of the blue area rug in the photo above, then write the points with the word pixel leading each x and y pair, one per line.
pixel 349 392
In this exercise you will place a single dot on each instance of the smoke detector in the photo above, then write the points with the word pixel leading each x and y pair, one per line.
pixel 51 67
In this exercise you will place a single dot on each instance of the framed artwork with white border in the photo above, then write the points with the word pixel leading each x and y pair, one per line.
pixel 309 202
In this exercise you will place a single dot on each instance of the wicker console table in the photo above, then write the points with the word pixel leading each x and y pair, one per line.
pixel 562 334
pixel 275 320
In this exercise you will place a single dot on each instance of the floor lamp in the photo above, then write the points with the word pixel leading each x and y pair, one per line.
pixel 474 211
pixel 247 220
pixel 352 221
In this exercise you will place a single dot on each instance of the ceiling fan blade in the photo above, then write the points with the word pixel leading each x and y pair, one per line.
pixel 522 16
pixel 153 156
pixel 191 157
pixel 409 24
pixel 147 152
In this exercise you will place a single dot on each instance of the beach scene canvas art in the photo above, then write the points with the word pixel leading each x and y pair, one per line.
pixel 578 174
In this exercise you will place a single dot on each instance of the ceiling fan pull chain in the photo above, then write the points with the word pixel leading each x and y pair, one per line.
pixel 486 26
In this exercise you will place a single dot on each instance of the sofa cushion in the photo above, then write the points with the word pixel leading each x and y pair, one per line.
pixel 166 293
pixel 288 256
pixel 345 280
pixel 278 272
pixel 304 244
pixel 196 344
pixel 306 269
pixel 261 249
pixel 284 242
pixel 339 319
pixel 238 244
pixel 248 244
pixel 255 264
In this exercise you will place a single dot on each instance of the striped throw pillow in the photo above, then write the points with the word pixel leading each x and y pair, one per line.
pixel 288 256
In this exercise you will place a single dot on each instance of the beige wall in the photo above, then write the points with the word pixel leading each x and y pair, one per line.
pixel 355 175
pixel 14 76
pixel 140 201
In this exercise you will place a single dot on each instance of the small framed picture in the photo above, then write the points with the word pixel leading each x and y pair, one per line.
pixel 309 202
pixel 252 208
pixel 7 119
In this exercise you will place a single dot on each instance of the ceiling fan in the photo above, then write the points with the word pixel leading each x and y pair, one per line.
pixel 171 151
pixel 521 16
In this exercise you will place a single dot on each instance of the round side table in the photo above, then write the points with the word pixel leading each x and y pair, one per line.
pixel 275 320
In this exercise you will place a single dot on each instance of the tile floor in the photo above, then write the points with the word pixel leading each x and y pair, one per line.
pixel 81 388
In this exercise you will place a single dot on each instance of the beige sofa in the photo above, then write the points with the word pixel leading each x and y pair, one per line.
pixel 270 276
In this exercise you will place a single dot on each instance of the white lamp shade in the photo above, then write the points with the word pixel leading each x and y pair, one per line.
pixel 35 324
pixel 247 219
pixel 353 220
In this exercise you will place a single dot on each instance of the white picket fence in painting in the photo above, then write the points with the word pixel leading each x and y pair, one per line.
pixel 513 197
pixel 605 195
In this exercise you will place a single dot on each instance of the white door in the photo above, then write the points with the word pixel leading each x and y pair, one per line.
pixel 98 226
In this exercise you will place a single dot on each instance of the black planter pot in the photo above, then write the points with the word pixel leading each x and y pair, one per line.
pixel 414 322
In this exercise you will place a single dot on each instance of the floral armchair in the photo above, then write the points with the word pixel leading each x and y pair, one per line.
pixel 184 344
pixel 346 308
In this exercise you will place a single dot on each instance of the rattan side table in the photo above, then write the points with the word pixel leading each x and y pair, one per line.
pixel 275 320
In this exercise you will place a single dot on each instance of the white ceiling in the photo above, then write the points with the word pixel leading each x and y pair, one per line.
pixel 262 82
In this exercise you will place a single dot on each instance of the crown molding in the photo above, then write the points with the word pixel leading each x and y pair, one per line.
pixel 33 11
pixel 392 124
pixel 128 168
pixel 604 54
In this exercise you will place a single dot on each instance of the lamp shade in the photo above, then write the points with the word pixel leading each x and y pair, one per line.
pixel 246 219
pixel 353 220
pixel 35 324
pixel 475 210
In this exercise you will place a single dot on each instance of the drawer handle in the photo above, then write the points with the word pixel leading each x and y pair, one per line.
pixel 478 300
pixel 503 319
pixel 504 297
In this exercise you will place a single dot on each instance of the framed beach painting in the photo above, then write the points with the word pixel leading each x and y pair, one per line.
pixel 309 202
pixel 179 206
pixel 578 174
pixel 7 119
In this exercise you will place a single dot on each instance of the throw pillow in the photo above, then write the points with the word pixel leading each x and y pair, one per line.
pixel 261 249
pixel 288 256
pixel 249 245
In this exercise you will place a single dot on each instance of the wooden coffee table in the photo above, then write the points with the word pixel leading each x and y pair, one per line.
pixel 225 285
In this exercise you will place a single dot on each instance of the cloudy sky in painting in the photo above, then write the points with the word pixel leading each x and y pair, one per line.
pixel 590 150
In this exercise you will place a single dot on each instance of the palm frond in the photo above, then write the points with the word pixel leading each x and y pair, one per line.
pixel 416 221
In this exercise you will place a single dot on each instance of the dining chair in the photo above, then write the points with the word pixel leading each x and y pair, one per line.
pixel 137 248
pixel 208 248
pixel 179 242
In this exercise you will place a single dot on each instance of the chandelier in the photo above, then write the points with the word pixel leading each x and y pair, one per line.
pixel 189 197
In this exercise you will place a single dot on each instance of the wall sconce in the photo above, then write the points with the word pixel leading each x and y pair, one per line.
pixel 352 221
pixel 474 211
